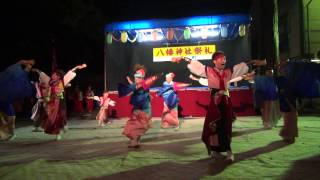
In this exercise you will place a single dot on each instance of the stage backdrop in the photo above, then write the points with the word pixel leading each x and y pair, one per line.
pixel 121 58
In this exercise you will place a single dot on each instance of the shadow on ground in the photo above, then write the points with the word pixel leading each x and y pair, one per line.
pixel 79 149
pixel 301 168
pixel 195 169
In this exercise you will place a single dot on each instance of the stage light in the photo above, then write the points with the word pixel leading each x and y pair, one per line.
pixel 224 30
pixel 150 35
pixel 213 33
pixel 196 34
pixel 315 60
pixel 205 31
pixel 140 36
pixel 196 31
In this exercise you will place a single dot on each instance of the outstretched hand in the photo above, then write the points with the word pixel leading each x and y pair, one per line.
pixel 79 67
pixel 179 59
pixel 181 85
pixel 176 59
pixel 82 66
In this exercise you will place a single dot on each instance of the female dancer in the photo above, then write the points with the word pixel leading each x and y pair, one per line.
pixel 56 105
pixel 140 120
pixel 171 100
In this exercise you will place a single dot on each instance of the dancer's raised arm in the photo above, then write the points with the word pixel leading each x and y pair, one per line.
pixel 193 65
pixel 129 80
pixel 71 74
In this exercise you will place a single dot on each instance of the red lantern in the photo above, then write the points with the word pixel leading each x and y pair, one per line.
pixel 170 34
pixel 154 35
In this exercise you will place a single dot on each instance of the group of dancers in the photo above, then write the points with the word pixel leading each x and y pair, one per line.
pixel 49 112
pixel 50 109
pixel 217 128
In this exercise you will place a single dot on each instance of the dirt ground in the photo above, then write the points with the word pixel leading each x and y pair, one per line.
pixel 90 152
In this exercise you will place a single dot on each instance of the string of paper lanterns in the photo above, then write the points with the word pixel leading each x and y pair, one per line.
pixel 174 34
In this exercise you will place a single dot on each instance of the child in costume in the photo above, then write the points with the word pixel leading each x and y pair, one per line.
pixel 105 101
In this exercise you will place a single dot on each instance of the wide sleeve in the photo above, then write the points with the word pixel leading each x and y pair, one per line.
pixel 124 90
pixel 197 68
pixel 239 70
pixel 68 77
pixel 203 81
pixel 111 103
pixel 44 78
pixel 149 81
pixel 164 89
pixel 97 98
pixel 179 85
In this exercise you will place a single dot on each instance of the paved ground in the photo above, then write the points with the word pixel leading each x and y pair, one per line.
pixel 90 152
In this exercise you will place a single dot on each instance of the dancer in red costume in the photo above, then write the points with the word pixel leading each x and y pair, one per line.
pixel 56 105
pixel 105 102
pixel 217 127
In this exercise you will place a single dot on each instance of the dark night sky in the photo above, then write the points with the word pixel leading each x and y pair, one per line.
pixel 28 27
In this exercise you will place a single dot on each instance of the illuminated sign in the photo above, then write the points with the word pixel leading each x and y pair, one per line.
pixel 201 52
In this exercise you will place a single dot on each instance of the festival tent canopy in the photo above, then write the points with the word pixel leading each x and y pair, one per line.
pixel 182 22
pixel 189 29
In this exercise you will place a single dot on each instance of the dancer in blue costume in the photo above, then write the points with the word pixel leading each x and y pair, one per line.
pixel 171 100
pixel 15 84
pixel 140 120
pixel 295 80
pixel 266 96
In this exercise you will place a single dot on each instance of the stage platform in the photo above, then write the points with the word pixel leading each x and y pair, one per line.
pixel 193 102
